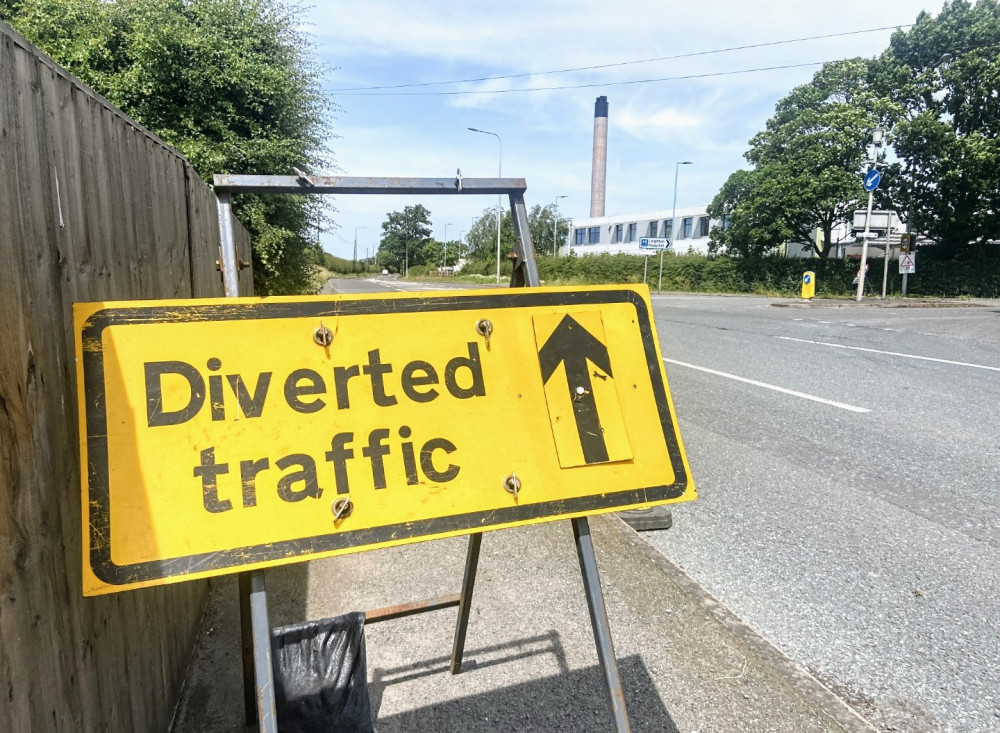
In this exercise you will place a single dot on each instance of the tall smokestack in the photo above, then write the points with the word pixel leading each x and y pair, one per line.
pixel 599 169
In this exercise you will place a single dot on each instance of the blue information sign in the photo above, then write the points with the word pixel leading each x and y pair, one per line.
pixel 872 179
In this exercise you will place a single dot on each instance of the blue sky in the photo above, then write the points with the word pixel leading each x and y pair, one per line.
pixel 547 136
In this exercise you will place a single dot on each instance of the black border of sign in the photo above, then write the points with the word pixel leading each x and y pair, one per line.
pixel 97 447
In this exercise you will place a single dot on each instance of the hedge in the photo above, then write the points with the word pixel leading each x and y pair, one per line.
pixel 976 275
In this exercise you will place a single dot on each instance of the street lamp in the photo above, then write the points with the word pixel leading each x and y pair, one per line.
pixel 555 222
pixel 356 242
pixel 446 243
pixel 499 175
pixel 673 218
pixel 877 135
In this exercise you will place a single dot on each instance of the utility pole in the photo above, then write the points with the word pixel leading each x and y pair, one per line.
pixel 356 242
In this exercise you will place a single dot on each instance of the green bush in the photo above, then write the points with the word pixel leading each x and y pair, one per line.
pixel 976 276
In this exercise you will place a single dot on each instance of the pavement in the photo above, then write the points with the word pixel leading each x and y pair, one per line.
pixel 687 663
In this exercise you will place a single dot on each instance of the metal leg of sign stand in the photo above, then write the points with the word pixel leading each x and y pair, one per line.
pixel 465 603
pixel 258 677
pixel 599 620
pixel 246 635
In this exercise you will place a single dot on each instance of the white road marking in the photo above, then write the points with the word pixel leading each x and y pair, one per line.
pixel 893 353
pixel 783 390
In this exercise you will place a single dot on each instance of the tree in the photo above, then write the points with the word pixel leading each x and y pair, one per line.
pixel 942 76
pixel 540 222
pixel 231 84
pixel 808 163
pixel 482 238
pixel 753 222
pixel 405 236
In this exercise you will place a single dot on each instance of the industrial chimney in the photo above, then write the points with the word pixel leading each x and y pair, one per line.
pixel 599 168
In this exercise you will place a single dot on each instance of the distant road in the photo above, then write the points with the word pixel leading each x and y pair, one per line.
pixel 848 465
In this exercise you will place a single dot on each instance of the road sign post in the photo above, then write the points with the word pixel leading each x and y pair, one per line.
pixel 871 181
pixel 648 245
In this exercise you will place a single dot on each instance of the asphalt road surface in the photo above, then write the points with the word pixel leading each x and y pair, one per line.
pixel 849 493
pixel 848 465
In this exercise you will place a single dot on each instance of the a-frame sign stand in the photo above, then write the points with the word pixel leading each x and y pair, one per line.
pixel 257 663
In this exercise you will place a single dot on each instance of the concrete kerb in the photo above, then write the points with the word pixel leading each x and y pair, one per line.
pixel 870 302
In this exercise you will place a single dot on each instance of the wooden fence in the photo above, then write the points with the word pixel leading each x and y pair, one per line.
pixel 92 207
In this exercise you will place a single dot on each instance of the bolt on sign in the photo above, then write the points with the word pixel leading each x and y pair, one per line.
pixel 219 436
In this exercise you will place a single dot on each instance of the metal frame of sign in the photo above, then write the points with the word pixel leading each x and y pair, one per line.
pixel 257 667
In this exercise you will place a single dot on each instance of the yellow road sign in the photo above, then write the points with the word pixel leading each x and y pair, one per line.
pixel 224 435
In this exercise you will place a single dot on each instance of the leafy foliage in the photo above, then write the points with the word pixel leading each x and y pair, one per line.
pixel 750 209
pixel 942 77
pixel 808 163
pixel 230 84
pixel 482 238
pixel 937 275
pixel 406 238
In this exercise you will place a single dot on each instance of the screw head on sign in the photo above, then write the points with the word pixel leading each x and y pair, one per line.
pixel 512 484
pixel 323 335
pixel 342 509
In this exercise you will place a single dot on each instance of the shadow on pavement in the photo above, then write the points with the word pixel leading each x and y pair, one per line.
pixel 570 701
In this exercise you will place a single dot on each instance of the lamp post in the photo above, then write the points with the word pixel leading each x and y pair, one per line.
pixel 499 175
pixel 862 270
pixel 461 241
pixel 446 243
pixel 673 218
pixel 356 242
pixel 555 222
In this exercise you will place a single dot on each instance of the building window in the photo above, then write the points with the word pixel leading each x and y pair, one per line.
pixel 651 231
pixel 703 226
pixel 579 236
pixel 594 235
pixel 668 228
pixel 630 235
pixel 617 233
pixel 686 223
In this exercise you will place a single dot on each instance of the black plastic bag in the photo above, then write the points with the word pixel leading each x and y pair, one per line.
pixel 321 676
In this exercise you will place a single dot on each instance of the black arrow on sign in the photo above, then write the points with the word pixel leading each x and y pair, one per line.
pixel 573 345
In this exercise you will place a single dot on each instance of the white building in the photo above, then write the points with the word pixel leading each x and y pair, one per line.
pixel 621 233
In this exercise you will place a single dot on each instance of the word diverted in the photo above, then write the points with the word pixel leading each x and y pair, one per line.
pixel 307 391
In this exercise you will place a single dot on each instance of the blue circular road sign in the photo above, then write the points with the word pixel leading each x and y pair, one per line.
pixel 872 179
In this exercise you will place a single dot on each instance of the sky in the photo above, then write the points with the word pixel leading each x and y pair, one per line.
pixel 546 136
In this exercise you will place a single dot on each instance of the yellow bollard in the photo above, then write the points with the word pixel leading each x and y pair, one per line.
pixel 808 285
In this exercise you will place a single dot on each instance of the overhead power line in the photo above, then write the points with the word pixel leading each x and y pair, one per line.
pixel 617 63
pixel 587 86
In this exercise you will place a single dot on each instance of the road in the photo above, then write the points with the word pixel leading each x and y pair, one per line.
pixel 863 544
pixel 848 465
